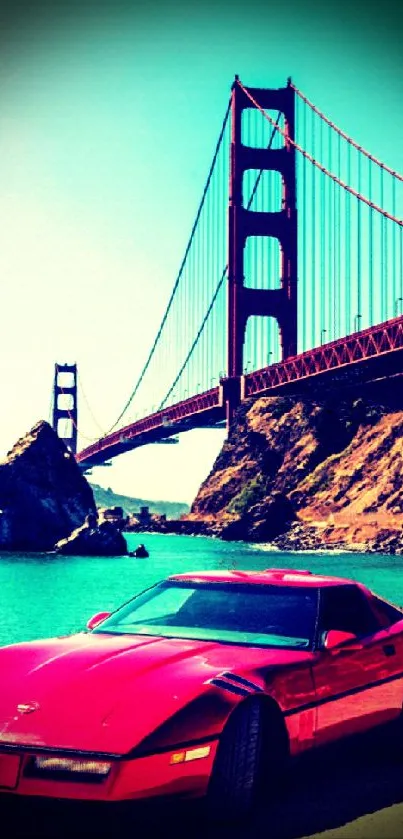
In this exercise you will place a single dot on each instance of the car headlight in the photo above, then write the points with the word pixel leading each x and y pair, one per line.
pixel 68 768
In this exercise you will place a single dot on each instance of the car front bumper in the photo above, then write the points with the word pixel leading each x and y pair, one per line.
pixel 134 778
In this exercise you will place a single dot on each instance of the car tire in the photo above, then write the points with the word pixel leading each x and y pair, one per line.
pixel 397 735
pixel 236 779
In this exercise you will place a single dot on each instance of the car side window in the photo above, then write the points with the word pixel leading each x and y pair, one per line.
pixel 346 609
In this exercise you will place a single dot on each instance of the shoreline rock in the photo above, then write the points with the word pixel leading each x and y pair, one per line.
pixel 43 494
pixel 93 538
pixel 300 538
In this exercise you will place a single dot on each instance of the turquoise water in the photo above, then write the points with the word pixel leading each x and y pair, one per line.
pixel 43 595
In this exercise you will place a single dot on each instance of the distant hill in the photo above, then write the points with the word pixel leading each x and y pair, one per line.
pixel 108 498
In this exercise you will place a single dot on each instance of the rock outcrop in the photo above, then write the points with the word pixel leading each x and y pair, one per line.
pixel 103 538
pixel 309 474
pixel 43 494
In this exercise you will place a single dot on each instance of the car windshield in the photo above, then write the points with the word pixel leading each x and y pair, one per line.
pixel 251 614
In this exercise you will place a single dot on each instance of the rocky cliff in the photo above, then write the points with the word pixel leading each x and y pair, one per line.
pixel 309 474
pixel 43 494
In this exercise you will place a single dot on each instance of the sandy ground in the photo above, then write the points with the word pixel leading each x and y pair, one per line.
pixel 387 824
pixel 351 791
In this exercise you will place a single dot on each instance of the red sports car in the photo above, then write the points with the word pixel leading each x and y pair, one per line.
pixel 203 684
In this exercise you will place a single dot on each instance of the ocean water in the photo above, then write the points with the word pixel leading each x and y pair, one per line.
pixel 43 595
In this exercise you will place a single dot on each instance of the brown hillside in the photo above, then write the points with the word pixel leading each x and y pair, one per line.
pixel 309 474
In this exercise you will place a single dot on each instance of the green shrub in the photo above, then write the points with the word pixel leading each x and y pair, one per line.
pixel 250 494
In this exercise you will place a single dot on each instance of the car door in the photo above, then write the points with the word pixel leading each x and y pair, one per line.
pixel 357 686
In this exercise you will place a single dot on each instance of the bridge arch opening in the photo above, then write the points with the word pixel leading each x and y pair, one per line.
pixel 65 429
pixel 262 190
pixel 262 345
pixel 262 262
pixel 66 401
pixel 257 131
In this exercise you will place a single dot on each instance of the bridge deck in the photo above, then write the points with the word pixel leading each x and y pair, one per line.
pixel 376 352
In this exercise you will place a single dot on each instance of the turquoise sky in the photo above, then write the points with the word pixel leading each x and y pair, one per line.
pixel 109 114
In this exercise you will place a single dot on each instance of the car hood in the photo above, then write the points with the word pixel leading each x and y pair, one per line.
pixel 106 693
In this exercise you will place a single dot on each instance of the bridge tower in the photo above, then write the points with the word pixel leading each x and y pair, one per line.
pixel 279 303
pixel 66 414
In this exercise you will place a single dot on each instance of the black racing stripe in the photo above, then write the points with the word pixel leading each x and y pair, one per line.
pixel 241 680
pixel 221 683
pixel 336 696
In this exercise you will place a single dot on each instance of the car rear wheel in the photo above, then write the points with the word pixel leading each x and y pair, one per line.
pixel 242 761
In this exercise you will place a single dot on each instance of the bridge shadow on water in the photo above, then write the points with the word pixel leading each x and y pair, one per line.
pixel 323 791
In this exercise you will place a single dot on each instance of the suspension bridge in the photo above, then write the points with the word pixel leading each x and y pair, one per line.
pixel 293 274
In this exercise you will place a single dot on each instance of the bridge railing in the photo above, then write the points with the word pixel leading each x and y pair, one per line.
pixel 373 341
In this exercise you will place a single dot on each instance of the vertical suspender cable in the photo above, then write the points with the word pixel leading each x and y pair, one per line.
pixel 359 241
pixel 194 307
pixel 314 296
pixel 336 247
pixel 394 278
pixel 212 273
pixel 268 266
pixel 383 295
pixel 203 296
pixel 388 314
pixel 302 286
pixel 401 260
pixel 323 282
pixel 330 248
pixel 198 291
pixel 179 322
pixel 349 328
pixel 207 368
pixel 370 249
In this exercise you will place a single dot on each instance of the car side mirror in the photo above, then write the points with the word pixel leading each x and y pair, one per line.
pixel 96 619
pixel 336 639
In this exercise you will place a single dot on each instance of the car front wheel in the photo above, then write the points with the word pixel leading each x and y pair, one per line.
pixel 238 773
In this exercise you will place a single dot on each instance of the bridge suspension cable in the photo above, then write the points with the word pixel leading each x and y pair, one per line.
pixel 344 135
pixel 180 272
pixel 93 417
pixel 196 340
pixel 318 165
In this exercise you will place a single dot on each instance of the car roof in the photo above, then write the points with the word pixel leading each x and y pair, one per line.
pixel 270 576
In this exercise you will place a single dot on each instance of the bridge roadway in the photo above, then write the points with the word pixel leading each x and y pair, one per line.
pixel 371 354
